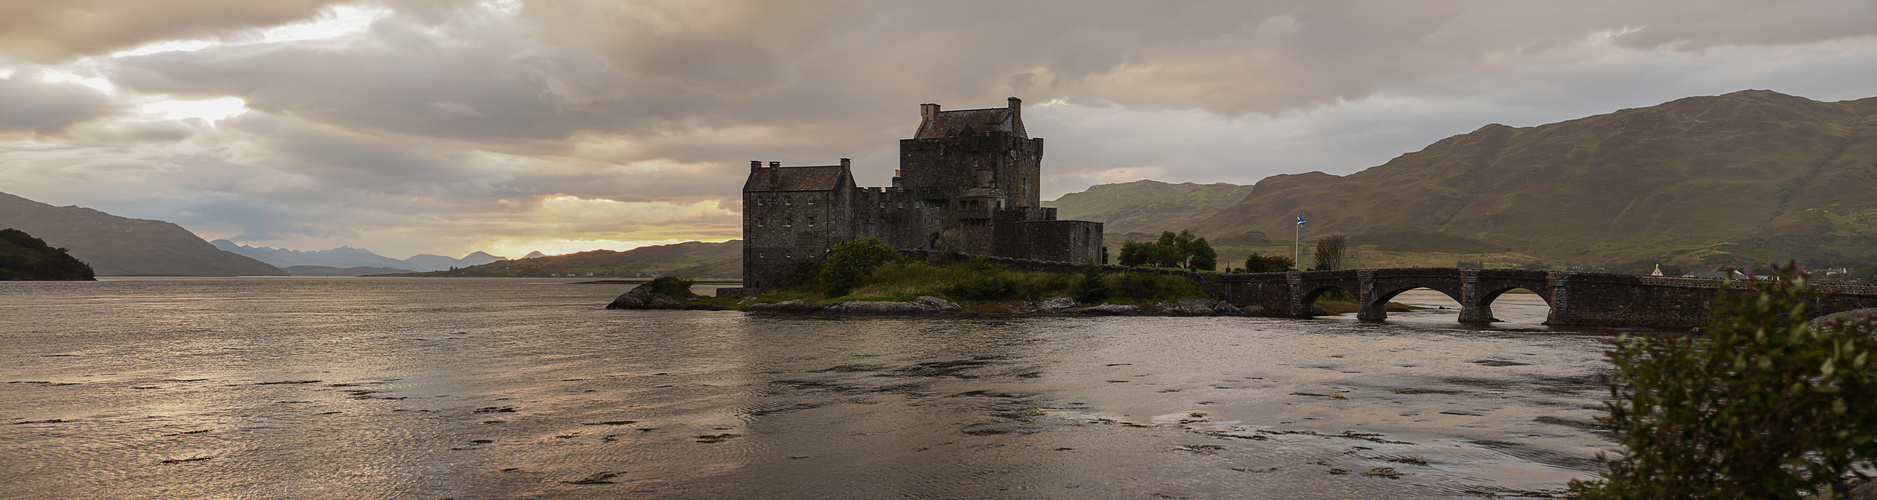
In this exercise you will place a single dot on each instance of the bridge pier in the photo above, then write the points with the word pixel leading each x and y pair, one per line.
pixel 1373 308
pixel 1474 306
pixel 1298 309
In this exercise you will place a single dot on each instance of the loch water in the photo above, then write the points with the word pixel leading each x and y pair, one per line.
pixel 528 388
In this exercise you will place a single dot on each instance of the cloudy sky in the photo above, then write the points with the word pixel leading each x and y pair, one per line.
pixel 442 126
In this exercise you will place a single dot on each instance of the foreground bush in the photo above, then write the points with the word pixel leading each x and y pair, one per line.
pixel 1764 406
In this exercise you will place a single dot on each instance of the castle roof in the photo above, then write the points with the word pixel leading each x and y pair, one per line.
pixel 964 122
pixel 825 178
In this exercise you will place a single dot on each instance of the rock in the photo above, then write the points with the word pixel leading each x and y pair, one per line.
pixel 1053 304
pixel 784 307
pixel 1200 307
pixel 1854 315
pixel 862 308
pixel 643 297
pixel 929 301
pixel 1106 309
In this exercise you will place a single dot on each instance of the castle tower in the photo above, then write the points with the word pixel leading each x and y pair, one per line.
pixel 953 151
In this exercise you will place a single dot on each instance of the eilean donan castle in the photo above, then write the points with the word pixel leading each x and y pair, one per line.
pixel 968 181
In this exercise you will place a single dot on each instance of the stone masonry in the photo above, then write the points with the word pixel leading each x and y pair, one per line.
pixel 969 181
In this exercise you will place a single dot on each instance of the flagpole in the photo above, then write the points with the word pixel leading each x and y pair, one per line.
pixel 1296 244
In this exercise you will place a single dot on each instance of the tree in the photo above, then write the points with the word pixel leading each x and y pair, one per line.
pixel 1181 250
pixel 1094 286
pixel 1763 406
pixel 849 262
pixel 1202 255
pixel 1135 254
pixel 1268 263
pixel 1329 254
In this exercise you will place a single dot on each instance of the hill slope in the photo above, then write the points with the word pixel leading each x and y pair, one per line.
pixel 1740 178
pixel 1147 206
pixel 23 257
pixel 691 259
pixel 119 245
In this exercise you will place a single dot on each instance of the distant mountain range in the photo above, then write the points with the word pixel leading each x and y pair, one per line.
pixel 691 259
pixel 1738 179
pixel 115 245
pixel 308 263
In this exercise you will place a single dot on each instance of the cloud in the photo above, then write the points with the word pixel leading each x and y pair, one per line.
pixel 31 103
pixel 434 126
pixel 52 31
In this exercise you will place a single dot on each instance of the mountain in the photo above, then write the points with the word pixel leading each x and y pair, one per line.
pixel 336 271
pixel 691 259
pixel 23 257
pixel 115 245
pixel 1147 206
pixel 1742 178
pixel 349 258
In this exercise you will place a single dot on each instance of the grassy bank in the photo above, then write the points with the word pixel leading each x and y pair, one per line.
pixel 973 281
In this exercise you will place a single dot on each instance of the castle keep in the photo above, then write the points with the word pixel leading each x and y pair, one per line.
pixel 968 181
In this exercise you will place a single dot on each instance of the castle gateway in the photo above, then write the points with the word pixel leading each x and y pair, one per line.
pixel 968 181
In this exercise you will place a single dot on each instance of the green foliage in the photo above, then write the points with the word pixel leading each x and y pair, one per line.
pixel 850 261
pixel 1865 275
pixel 675 287
pixel 1764 407
pixel 1093 287
pixel 1171 250
pixel 987 288
pixel 806 274
pixel 1268 263
pixel 23 257
pixel 1143 288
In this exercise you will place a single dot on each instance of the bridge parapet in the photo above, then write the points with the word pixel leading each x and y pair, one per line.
pixel 1575 299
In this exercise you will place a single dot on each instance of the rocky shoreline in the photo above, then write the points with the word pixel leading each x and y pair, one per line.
pixel 643 297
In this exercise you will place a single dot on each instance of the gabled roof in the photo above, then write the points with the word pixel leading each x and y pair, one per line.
pixel 964 122
pixel 826 178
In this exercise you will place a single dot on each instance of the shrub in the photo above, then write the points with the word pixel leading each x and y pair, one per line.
pixel 994 287
pixel 1093 287
pixel 1764 407
pixel 672 286
pixel 849 262
pixel 1268 263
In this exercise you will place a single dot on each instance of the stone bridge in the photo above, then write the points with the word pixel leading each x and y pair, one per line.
pixel 1575 299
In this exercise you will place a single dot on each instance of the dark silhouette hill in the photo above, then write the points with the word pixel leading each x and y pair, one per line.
pixel 115 245
pixel 691 259
pixel 23 257
pixel 1742 178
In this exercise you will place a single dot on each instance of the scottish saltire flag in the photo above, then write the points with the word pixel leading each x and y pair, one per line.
pixel 1299 220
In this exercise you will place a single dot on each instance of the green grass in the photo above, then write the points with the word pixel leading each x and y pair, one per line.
pixel 972 283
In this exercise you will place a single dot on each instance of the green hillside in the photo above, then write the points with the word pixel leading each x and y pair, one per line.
pixel 1147 206
pixel 23 257
pixel 115 245
pixel 1747 177
pixel 691 259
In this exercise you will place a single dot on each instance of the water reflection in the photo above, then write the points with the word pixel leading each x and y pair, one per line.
pixel 386 388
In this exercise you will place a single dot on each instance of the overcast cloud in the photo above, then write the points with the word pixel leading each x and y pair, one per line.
pixel 448 127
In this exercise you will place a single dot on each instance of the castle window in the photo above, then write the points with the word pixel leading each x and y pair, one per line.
pixel 785 200
pixel 902 204
pixel 761 254
pixel 759 201
pixel 811 222
pixel 788 254
pixel 788 222
pixel 811 201
pixel 759 222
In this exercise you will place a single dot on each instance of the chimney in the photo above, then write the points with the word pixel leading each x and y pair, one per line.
pixel 775 164
pixel 847 164
pixel 755 165
pixel 775 178
pixel 928 110
pixel 1016 111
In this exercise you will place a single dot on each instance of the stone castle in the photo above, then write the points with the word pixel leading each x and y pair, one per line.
pixel 968 181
